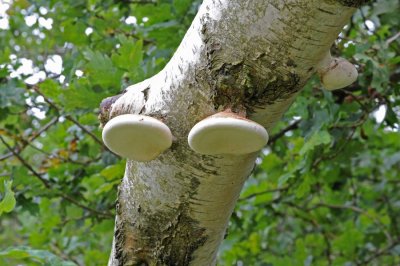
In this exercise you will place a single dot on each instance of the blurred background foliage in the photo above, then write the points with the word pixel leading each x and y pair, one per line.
pixel 325 190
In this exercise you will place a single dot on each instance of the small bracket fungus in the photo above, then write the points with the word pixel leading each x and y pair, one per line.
pixel 336 73
pixel 227 133
pixel 137 137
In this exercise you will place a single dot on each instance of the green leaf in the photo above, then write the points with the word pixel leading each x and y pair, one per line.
pixel 301 252
pixel 51 89
pixel 349 240
pixel 391 117
pixel 8 202
pixel 101 70
pixel 73 32
pixel 181 6
pixel 284 178
pixel 11 93
pixel 318 138
pixel 129 55
pixel 45 257
pixel 14 254
pixel 113 172
pixel 80 95
pixel 5 55
pixel 305 186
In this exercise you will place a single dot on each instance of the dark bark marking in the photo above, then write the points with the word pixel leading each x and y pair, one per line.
pixel 326 11
pixel 190 240
pixel 173 244
pixel 237 85
pixel 146 93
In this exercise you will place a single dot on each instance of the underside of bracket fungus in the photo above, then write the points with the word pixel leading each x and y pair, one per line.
pixel 137 137
pixel 227 133
pixel 336 73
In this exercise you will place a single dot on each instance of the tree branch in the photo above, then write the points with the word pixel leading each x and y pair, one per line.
pixel 393 38
pixel 45 182
pixel 379 253
pixel 264 192
pixel 357 210
pixel 281 133
pixel 68 117
pixel 30 139
pixel 49 186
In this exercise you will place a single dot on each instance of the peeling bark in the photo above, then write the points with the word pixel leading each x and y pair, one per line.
pixel 249 56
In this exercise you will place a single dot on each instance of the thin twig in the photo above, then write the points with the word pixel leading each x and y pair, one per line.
pixel 30 139
pixel 379 253
pixel 62 159
pixel 336 153
pixel 357 210
pixel 48 185
pixel 280 134
pixel 264 192
pixel 68 117
pixel 45 182
pixel 393 38
pixel 95 138
pixel 77 203
pixel 364 20
pixel 60 252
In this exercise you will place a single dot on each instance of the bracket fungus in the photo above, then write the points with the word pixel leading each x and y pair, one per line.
pixel 227 133
pixel 336 73
pixel 137 137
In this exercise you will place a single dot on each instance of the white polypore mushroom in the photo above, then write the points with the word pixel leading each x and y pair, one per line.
pixel 137 137
pixel 227 133
pixel 336 73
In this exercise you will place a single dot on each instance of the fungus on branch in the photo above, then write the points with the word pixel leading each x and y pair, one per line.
pixel 336 73
pixel 227 133
pixel 137 137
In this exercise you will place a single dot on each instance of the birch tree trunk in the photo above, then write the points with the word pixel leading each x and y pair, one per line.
pixel 251 56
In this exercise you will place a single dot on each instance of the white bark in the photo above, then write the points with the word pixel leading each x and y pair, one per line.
pixel 251 56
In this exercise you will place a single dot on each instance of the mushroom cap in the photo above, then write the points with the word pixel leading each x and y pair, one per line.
pixel 340 73
pixel 227 133
pixel 137 137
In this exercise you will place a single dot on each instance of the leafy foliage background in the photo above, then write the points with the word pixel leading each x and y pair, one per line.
pixel 325 191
